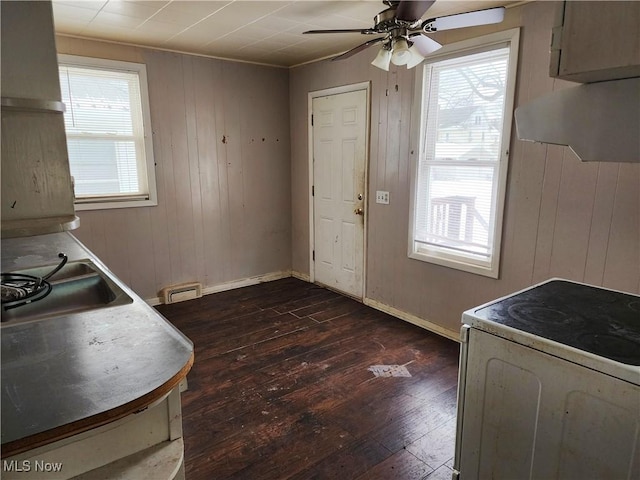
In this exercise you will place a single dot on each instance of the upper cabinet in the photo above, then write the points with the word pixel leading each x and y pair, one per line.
pixel 37 191
pixel 596 41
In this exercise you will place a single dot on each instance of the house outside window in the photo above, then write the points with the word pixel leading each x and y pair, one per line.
pixel 108 129
pixel 462 119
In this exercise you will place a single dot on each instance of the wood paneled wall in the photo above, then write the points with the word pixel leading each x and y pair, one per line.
pixel 221 145
pixel 234 210
pixel 563 217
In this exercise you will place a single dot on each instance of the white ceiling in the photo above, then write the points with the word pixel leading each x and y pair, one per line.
pixel 268 32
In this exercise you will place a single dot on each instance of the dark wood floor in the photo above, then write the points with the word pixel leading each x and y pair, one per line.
pixel 280 388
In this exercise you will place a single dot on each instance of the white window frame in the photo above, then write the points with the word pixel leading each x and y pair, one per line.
pixel 150 198
pixel 464 261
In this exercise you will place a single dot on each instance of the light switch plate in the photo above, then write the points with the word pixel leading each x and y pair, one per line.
pixel 382 197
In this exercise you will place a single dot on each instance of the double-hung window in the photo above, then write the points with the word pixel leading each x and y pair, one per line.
pixel 462 120
pixel 108 129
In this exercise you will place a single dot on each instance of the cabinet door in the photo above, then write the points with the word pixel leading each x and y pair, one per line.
pixel 529 415
pixel 597 41
pixel 37 192
pixel 36 182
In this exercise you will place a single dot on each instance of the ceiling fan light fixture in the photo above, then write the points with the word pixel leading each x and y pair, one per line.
pixel 415 59
pixel 383 59
pixel 404 34
pixel 401 54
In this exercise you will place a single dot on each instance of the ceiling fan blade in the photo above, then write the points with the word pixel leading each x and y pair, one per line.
pixel 424 44
pixel 410 11
pixel 469 19
pixel 366 31
pixel 357 49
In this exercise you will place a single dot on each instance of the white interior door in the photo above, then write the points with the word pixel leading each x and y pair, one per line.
pixel 339 161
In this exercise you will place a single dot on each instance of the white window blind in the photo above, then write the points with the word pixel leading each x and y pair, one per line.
pixel 459 180
pixel 106 138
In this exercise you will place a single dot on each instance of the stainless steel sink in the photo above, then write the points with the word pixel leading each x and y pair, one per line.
pixel 78 287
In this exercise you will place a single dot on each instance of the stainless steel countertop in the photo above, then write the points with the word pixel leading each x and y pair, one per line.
pixel 67 370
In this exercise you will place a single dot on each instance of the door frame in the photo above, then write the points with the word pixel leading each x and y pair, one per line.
pixel 366 86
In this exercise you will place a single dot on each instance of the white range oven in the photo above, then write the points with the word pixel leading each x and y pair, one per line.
pixel 549 386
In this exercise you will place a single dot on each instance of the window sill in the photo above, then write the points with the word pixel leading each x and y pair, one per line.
pixel 108 205
pixel 457 263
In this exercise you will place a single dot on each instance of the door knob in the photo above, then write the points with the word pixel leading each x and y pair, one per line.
pixel 358 211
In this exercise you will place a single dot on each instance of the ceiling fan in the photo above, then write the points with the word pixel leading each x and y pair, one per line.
pixel 404 40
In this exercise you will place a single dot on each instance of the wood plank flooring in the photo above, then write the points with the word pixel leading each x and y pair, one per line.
pixel 280 388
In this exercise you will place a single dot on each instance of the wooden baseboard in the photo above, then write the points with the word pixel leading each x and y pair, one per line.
pixel 301 276
pixel 269 277
pixel 408 317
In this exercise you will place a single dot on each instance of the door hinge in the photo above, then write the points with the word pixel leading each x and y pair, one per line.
pixel 313 255
pixel 312 119
pixel 313 190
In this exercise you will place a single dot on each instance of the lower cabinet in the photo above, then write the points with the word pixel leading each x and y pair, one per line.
pixel 146 445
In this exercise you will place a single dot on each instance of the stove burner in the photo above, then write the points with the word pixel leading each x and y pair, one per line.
pixel 634 305
pixel 611 346
pixel 526 312
pixel 539 317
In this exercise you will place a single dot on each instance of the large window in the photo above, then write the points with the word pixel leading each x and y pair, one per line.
pixel 108 132
pixel 464 115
